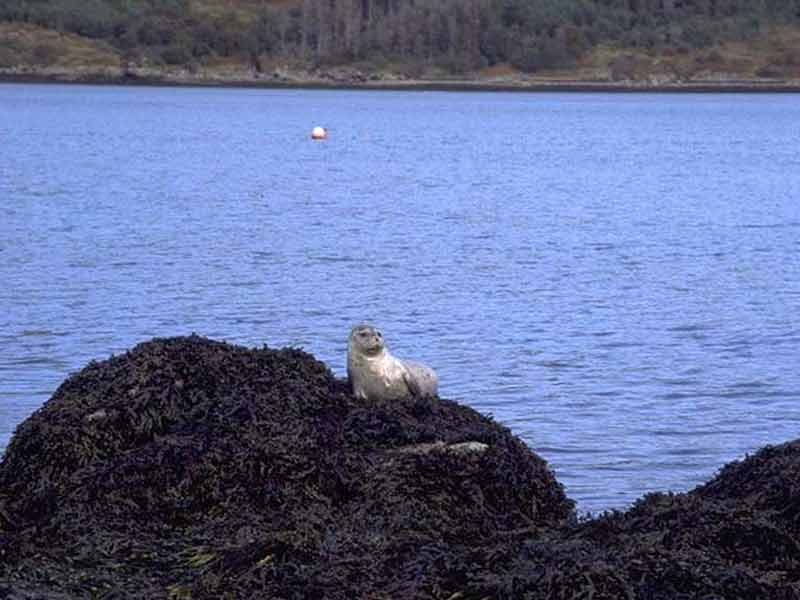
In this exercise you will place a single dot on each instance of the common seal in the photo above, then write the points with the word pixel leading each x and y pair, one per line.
pixel 375 374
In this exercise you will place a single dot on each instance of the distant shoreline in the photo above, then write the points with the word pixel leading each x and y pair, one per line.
pixel 565 85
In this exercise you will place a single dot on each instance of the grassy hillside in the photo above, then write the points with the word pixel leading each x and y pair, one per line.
pixel 657 41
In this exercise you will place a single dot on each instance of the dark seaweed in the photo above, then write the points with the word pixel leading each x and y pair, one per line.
pixel 189 468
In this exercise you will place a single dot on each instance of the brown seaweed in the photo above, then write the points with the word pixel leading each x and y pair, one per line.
pixel 189 468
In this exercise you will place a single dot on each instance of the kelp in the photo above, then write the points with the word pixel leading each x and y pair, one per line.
pixel 190 468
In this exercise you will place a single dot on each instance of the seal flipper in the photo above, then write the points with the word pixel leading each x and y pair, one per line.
pixel 412 384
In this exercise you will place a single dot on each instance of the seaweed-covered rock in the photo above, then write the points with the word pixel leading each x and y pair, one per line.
pixel 767 482
pixel 194 468
pixel 189 468
pixel 733 538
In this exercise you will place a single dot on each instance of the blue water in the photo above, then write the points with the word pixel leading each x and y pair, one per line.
pixel 615 277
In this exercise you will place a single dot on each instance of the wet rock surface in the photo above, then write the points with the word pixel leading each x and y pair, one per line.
pixel 189 468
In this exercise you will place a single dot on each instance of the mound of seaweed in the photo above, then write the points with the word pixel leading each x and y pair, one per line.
pixel 735 537
pixel 189 468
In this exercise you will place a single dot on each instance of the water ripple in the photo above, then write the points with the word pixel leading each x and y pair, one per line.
pixel 634 320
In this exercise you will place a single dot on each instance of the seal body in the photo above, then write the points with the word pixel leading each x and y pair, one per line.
pixel 375 374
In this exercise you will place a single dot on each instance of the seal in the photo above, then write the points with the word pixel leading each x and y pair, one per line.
pixel 375 374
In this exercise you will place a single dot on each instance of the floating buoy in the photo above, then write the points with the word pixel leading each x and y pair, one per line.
pixel 318 133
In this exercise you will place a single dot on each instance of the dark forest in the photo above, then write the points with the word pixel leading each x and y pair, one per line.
pixel 457 36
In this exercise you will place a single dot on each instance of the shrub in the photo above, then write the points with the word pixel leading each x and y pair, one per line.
pixel 770 71
pixel 176 55
pixel 8 58
pixel 626 67
pixel 44 55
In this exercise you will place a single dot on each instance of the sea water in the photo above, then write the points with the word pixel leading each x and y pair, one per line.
pixel 615 277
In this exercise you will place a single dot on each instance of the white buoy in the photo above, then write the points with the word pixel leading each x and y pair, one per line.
pixel 318 133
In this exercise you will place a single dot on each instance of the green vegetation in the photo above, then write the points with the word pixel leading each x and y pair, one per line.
pixel 451 36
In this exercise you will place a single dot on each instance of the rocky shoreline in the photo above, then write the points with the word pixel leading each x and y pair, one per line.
pixel 190 468
pixel 354 79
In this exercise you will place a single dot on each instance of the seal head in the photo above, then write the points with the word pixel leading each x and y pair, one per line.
pixel 366 340
pixel 375 374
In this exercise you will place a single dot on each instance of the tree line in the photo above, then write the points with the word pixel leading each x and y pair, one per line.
pixel 456 35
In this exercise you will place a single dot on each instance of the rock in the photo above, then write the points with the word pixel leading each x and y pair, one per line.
pixel 467 448
pixel 463 448
pixel 239 471
pixel 97 415
pixel 197 469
